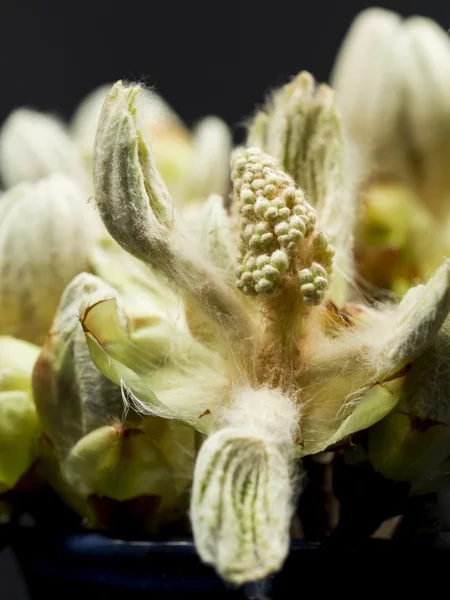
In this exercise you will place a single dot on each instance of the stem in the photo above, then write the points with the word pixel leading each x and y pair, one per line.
pixel 279 352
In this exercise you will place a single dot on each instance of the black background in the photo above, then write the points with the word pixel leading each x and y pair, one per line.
pixel 216 57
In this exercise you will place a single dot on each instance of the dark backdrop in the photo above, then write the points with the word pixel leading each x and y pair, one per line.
pixel 204 57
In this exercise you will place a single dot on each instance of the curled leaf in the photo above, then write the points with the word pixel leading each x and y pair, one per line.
pixel 165 370
pixel 422 312
pixel 136 209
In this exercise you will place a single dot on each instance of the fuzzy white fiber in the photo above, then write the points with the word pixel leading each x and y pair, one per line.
pixel 263 413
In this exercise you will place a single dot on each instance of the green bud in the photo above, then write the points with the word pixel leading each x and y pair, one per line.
pixel 405 449
pixel 17 359
pixel 426 73
pixel 19 427
pixel 393 242
pixel 121 465
pixel 412 444
pixel 103 448
pixel 367 81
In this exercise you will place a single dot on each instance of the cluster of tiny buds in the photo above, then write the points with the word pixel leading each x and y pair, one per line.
pixel 313 284
pixel 275 220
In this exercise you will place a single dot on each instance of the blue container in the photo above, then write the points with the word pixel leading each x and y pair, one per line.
pixel 90 565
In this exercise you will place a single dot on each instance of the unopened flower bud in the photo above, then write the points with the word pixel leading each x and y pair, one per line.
pixel 104 449
pixel 121 464
pixel 34 145
pixel 46 232
pixel 426 73
pixel 208 171
pixel 366 79
pixel 171 144
pixel 280 225
pixel 241 506
pixel 392 83
pixel 302 131
pixel 85 121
